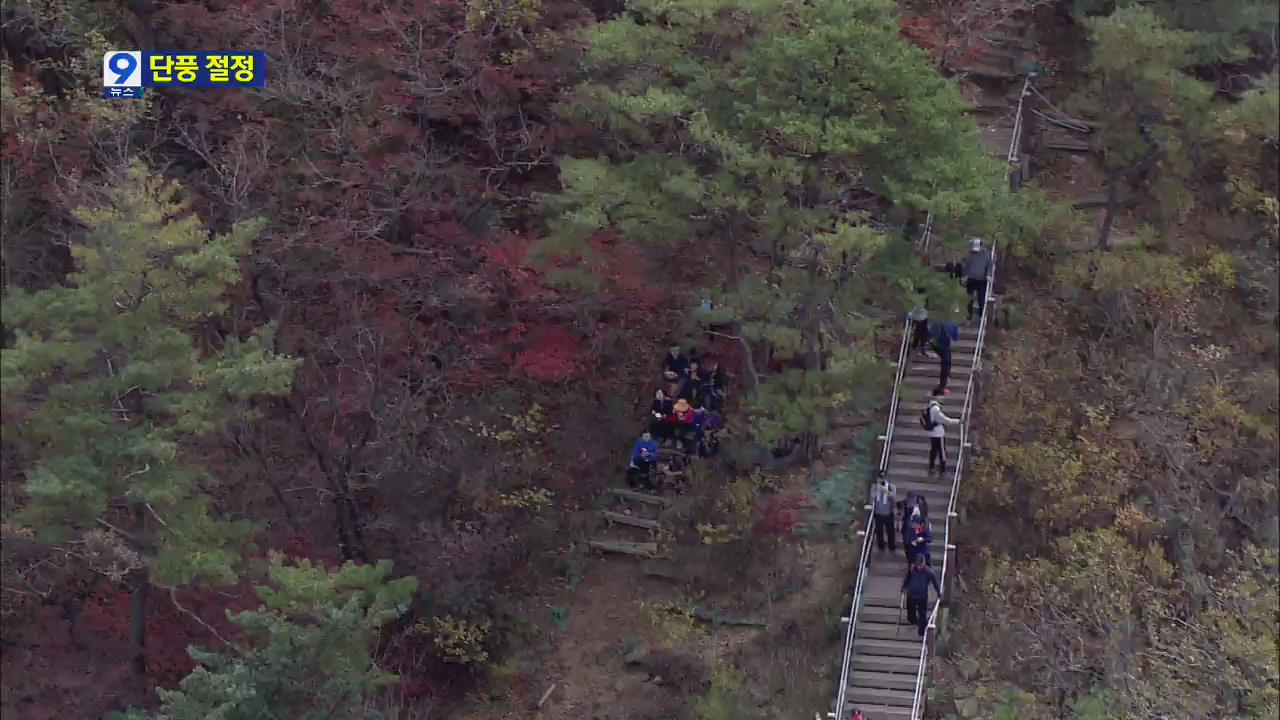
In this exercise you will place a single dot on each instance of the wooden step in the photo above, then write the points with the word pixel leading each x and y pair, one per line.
pixel 886 663
pixel 917 434
pixel 908 473
pixel 918 459
pixel 886 680
pixel 879 696
pixel 905 648
pixel 640 497
pixel 958 372
pixel 935 492
pixel 882 615
pixel 648 550
pixel 912 446
pixel 883 589
pixel 878 712
pixel 884 631
pixel 633 521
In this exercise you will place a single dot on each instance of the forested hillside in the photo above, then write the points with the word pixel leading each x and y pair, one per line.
pixel 310 392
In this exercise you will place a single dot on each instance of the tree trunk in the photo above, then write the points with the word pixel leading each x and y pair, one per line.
pixel 1113 204
pixel 138 598
pixel 138 623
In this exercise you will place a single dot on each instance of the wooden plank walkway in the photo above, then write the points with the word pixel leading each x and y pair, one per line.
pixel 886 650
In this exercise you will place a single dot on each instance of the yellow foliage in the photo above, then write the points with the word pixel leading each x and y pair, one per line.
pixel 711 534
pixel 535 499
pixel 505 14
pixel 459 641
pixel 1220 270
pixel 673 624
pixel 1210 411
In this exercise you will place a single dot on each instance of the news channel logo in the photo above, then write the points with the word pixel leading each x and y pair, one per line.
pixel 126 72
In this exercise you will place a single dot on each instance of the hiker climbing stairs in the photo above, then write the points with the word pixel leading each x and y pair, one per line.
pixel 632 521
pixel 886 655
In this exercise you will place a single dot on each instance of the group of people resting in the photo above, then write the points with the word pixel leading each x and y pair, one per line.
pixel 684 415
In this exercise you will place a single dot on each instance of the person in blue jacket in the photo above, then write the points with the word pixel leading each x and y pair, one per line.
pixel 644 453
pixel 916 536
pixel 916 587
pixel 942 335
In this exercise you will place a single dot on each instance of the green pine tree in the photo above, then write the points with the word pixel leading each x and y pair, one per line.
pixel 307 650
pixel 109 388
pixel 753 128
pixel 1155 117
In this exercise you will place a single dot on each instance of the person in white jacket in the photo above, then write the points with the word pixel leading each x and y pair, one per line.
pixel 938 436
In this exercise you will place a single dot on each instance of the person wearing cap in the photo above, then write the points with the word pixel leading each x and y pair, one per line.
pixel 916 587
pixel 938 422
pixel 681 421
pixel 916 536
pixel 883 499
pixel 975 275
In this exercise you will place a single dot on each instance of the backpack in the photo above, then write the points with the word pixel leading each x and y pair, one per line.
pixel 926 417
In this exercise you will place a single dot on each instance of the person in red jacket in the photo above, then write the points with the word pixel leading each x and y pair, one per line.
pixel 681 420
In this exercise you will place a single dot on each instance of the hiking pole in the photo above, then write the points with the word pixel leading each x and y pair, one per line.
pixel 902 601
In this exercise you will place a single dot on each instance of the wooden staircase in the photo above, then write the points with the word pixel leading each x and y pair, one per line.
pixel 634 522
pixel 886 650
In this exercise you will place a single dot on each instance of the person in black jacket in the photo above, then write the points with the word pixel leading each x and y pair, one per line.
pixel 711 384
pixel 675 364
pixel 658 414
pixel 916 587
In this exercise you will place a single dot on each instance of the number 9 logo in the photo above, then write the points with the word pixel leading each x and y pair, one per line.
pixel 122 68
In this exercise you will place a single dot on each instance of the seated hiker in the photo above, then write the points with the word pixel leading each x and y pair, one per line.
pixel 681 418
pixel 711 384
pixel 644 453
pixel 916 536
pixel 916 588
pixel 941 336
pixel 687 386
pixel 659 411
pixel 675 364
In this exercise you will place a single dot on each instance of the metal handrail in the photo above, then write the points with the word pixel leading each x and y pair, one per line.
pixel 1014 145
pixel 955 482
pixel 855 604
pixel 893 401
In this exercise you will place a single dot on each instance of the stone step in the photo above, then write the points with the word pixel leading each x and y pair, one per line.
pixel 880 696
pixel 886 663
pixel 886 680
pixel 631 520
pixel 877 712
pixel 906 648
